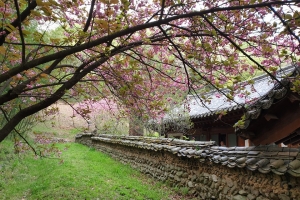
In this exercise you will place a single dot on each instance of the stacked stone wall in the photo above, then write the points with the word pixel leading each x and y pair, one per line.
pixel 206 180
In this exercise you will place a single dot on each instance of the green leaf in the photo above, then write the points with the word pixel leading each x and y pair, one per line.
pixel 47 10
pixel 10 27
pixel 39 2
pixel 288 16
pixel 25 32
pixel 214 32
pixel 2 50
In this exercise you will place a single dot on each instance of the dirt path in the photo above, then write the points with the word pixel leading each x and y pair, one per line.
pixel 64 124
pixel 67 117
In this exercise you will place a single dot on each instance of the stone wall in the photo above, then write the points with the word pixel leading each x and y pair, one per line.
pixel 202 177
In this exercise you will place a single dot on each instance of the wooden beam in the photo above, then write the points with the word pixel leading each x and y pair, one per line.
pixel 289 138
pixel 213 130
pixel 246 134
pixel 272 131
pixel 296 140
pixel 241 142
pixel 269 116
pixel 293 97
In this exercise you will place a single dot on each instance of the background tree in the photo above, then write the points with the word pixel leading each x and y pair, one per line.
pixel 114 42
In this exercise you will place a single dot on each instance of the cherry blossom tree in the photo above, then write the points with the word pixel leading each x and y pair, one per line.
pixel 136 52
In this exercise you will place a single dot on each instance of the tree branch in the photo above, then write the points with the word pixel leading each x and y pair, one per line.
pixel 88 21
pixel 7 119
pixel 20 31
pixel 284 23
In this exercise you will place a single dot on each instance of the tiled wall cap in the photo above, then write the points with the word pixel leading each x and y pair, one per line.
pixel 262 158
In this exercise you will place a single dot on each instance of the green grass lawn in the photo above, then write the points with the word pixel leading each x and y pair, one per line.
pixel 81 173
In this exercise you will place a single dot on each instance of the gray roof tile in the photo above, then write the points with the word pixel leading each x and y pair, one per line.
pixel 295 173
pixel 266 169
pixel 276 164
pixel 275 148
pixel 263 162
pixel 241 165
pixel 241 160
pixel 241 148
pixel 288 154
pixel 252 161
pixel 270 153
pixel 223 158
pixel 255 153
pixel 295 164
pixel 252 167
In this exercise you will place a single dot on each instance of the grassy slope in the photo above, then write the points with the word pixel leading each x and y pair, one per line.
pixel 83 174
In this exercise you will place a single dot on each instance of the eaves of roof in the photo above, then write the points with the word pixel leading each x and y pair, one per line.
pixel 266 92
pixel 278 92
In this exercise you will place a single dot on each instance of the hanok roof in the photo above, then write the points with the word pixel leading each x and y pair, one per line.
pixel 262 87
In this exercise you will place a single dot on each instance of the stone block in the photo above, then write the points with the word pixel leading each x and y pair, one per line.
pixel 239 197
pixel 262 198
pixel 250 197
pixel 243 192
pixel 190 184
pixel 284 197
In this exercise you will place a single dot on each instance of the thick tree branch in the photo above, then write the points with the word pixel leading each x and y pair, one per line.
pixel 9 126
pixel 14 92
pixel 7 119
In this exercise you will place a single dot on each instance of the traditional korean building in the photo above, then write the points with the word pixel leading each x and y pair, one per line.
pixel 269 114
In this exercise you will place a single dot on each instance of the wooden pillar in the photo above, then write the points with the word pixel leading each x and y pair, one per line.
pixel 240 141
